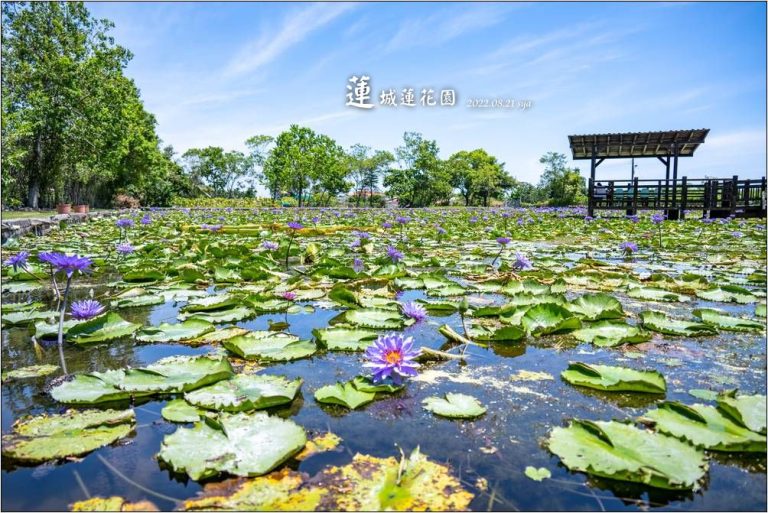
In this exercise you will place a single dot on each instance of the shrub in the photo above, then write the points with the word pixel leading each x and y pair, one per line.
pixel 125 201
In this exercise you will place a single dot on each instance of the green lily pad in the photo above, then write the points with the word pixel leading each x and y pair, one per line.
pixel 241 444
pixel 655 294
pixel 33 371
pixel 503 334
pixel 548 318
pixel 746 410
pixel 165 332
pixel 614 379
pixel 611 333
pixel 344 394
pixel 375 318
pixel 537 474
pixel 704 426
pixel 137 301
pixel 365 384
pixel 232 314
pixel 179 410
pixel 345 339
pixel 658 321
pixel 73 433
pixel 105 327
pixel 595 307
pixel 728 294
pixel 454 406
pixel 24 318
pixel 210 303
pixel 702 393
pixel 726 322
pixel 270 346
pixel 244 392
pixel 625 453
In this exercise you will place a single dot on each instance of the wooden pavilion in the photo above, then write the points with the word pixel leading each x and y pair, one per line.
pixel 716 197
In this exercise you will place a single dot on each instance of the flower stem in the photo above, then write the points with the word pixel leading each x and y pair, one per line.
pixel 288 251
pixel 61 325
pixel 497 256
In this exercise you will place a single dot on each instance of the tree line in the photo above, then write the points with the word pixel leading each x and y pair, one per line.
pixel 75 129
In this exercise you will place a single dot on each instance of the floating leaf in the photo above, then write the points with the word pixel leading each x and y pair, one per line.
pixel 24 318
pixel 455 406
pixel 611 333
pixel 33 371
pixel 166 332
pixel 726 322
pixel 179 410
pixel 365 384
pixel 654 294
pixel 210 303
pixel 138 301
pixel 701 393
pixel 241 444
pixel 504 334
pixel 270 346
pixel 344 394
pixel 537 474
pixel 102 328
pixel 212 337
pixel 245 392
pixel 325 442
pixel 366 483
pixel 73 433
pixel 547 318
pixel 704 426
pixel 112 504
pixel 746 410
pixel 376 319
pixel 625 453
pixel 594 307
pixel 232 314
pixel 728 294
pixel 344 339
pixel 614 379
pixel 658 321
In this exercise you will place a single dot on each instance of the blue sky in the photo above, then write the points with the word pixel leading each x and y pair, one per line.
pixel 218 73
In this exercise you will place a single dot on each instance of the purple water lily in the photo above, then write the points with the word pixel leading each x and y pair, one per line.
pixel 628 247
pixel 19 260
pixel 394 254
pixel 358 265
pixel 269 245
pixel 658 218
pixel 414 310
pixel 391 356
pixel 293 225
pixel 288 295
pixel 68 264
pixel 522 263
pixel 124 222
pixel 125 248
pixel 503 240
pixel 86 309
pixel 147 219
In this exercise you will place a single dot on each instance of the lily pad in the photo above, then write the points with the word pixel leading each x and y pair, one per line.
pixel 344 394
pixel 726 322
pixel 455 406
pixel 658 321
pixel 503 334
pixel 210 303
pixel 625 453
pixel 245 392
pixel 614 379
pixel 611 333
pixel 704 426
pixel 179 410
pixel 24 318
pixel 105 327
pixel 537 474
pixel 345 339
pixel 365 384
pixel 595 307
pixel 746 410
pixel 375 318
pixel 73 433
pixel 728 294
pixel 165 332
pixel 232 314
pixel 115 503
pixel 655 294
pixel 241 444
pixel 33 371
pixel 548 318
pixel 270 346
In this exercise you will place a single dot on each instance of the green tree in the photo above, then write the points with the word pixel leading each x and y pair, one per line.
pixel 560 184
pixel 222 171
pixel 422 178
pixel 476 174
pixel 302 162
pixel 365 168
pixel 258 147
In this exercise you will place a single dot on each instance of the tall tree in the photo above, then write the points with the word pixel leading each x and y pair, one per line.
pixel 365 168
pixel 560 184
pixel 422 178
pixel 477 174
pixel 222 171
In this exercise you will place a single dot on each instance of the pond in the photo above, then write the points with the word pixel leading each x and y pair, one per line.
pixel 678 268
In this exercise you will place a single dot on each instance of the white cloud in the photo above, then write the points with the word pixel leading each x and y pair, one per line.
pixel 296 27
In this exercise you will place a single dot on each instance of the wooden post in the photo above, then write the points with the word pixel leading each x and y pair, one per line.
pixel 734 194
pixel 674 177
pixel 684 198
pixel 590 201
pixel 634 195
pixel 762 195
pixel 747 190
pixel 666 188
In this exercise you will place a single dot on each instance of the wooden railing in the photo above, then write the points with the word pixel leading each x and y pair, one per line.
pixel 708 194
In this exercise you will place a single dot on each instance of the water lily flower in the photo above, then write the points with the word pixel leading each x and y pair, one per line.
pixel 125 248
pixel 68 264
pixel 269 245
pixel 386 225
pixel 358 265
pixel 86 309
pixel 589 218
pixel 522 263
pixel 628 247
pixel 18 260
pixel 124 222
pixel 402 219
pixel 394 254
pixel 738 235
pixel 415 311
pixel 658 218
pixel 503 240
pixel 293 225
pixel 147 219
pixel 288 295
pixel 391 356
